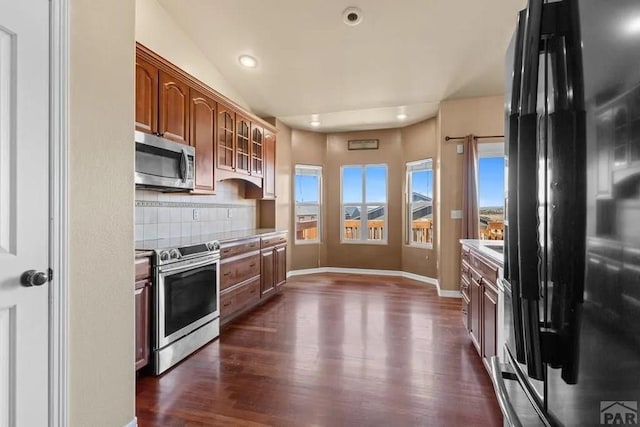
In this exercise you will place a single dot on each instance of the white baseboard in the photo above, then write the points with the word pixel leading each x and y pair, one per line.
pixel 133 422
pixel 448 294
pixel 293 273
pixel 394 273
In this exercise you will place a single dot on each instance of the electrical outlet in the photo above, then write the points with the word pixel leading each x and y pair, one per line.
pixel 229 213
pixel 196 215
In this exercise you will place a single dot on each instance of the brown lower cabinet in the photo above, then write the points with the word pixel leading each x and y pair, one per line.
pixel 238 298
pixel 267 275
pixel 489 322
pixel 142 289
pixel 274 263
pixel 480 302
pixel 251 271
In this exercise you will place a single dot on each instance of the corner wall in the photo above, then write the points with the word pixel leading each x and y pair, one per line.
pixel 284 173
pixel 101 194
pixel 418 143
pixel 397 147
pixel 478 116
pixel 309 148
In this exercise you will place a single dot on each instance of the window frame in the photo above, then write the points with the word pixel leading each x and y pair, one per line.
pixel 412 167
pixel 363 206
pixel 318 172
pixel 493 150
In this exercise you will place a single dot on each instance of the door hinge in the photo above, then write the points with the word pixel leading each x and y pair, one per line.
pixel 50 273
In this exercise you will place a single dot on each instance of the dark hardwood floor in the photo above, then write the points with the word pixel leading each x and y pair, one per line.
pixel 332 350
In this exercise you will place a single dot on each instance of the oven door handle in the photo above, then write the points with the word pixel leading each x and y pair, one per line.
pixel 188 266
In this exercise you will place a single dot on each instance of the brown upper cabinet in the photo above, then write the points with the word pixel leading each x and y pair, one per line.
pixel 243 153
pixel 174 109
pixel 226 137
pixel 230 142
pixel 257 148
pixel 146 97
pixel 269 147
pixel 162 103
pixel 203 115
pixel 268 190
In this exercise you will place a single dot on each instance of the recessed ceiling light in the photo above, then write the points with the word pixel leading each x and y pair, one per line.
pixel 315 123
pixel 248 61
pixel 352 16
pixel 633 25
pixel 401 116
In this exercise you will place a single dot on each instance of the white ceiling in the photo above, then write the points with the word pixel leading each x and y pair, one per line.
pixel 405 56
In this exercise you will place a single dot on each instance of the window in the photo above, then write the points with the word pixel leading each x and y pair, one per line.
pixel 307 187
pixel 420 203
pixel 364 204
pixel 491 190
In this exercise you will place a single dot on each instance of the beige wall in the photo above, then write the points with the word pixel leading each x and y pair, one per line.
pixel 382 257
pixel 157 30
pixel 283 184
pixel 397 146
pixel 478 116
pixel 101 310
pixel 308 148
pixel 419 142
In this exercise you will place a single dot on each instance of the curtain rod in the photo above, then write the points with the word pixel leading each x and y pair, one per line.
pixel 449 138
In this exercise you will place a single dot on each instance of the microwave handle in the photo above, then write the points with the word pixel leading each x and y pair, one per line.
pixel 184 166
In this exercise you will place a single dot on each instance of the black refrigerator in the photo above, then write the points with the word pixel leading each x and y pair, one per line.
pixel 572 264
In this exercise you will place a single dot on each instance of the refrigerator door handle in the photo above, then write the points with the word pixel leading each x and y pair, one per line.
pixel 528 191
pixel 531 57
pixel 511 241
pixel 510 414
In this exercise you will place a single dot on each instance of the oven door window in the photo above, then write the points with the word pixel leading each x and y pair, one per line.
pixel 189 296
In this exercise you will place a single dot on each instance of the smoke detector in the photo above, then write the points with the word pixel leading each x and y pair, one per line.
pixel 352 16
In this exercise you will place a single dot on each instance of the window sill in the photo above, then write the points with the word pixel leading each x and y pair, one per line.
pixel 419 246
pixel 364 242
pixel 307 242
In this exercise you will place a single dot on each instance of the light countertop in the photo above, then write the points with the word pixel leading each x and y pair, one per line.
pixel 222 237
pixel 484 248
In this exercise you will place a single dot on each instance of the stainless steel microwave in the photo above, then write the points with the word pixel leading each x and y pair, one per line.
pixel 163 165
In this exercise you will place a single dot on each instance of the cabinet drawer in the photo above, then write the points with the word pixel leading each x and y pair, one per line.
pixel 465 253
pixel 143 268
pixel 229 250
pixel 487 270
pixel 274 240
pixel 465 311
pixel 464 286
pixel 238 270
pixel 239 298
pixel 464 270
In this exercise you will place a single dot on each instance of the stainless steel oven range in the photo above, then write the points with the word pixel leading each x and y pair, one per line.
pixel 186 301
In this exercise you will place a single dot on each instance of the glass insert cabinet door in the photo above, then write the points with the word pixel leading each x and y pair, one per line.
pixel 226 134
pixel 242 145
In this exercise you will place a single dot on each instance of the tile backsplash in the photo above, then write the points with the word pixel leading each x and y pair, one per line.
pixel 166 215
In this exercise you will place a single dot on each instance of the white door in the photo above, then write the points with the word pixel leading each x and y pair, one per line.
pixel 24 211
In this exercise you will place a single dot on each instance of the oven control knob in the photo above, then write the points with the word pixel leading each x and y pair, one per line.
pixel 174 254
pixel 213 246
pixel 164 256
